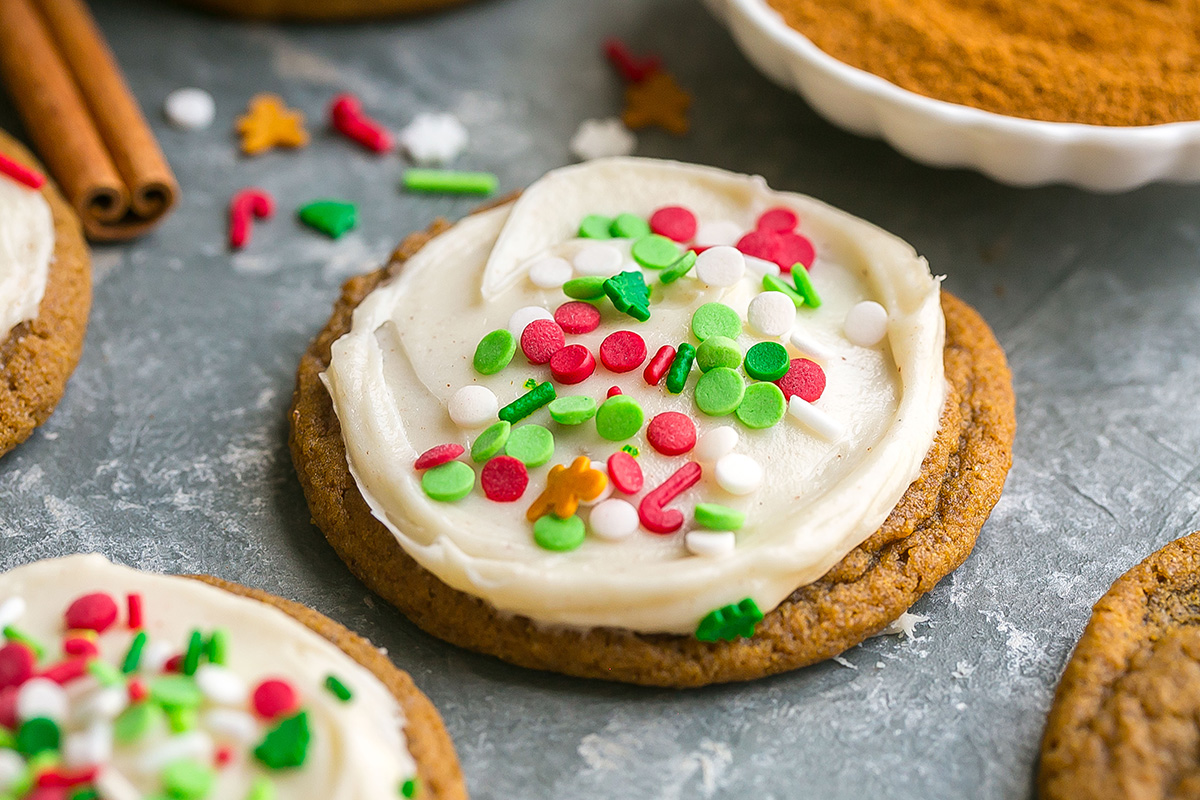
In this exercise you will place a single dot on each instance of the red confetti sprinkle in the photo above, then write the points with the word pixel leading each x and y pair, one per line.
pixel 48 793
pixel 223 755
pixel 348 119
pixel 674 222
pixel 804 378
pixel 541 339
pixel 8 707
pixel 64 778
pixel 671 433
pixel 438 455
pixel 631 68
pixel 78 646
pixel 92 612
pixel 760 244
pixel 273 698
pixel 623 351
pixel 137 690
pixel 577 317
pixel 778 220
pixel 613 391
pixel 792 249
pixel 21 173
pixel 66 671
pixel 504 479
pixel 652 511
pixel 659 365
pixel 17 663
pixel 133 604
pixel 573 364
pixel 245 206
pixel 174 663
pixel 625 472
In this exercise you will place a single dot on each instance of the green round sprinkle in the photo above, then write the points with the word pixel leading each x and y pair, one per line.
pixel 681 367
pixel 261 789
pixel 409 788
pixel 720 391
pixel 629 226
pixel 767 361
pixel 718 351
pixel 557 534
pixel 330 217
pixel 654 251
pixel 572 410
pixel 494 351
pixel 528 403
pixel 84 793
pixel 491 441
pixel 338 689
pixel 38 734
pixel 449 181
pixel 618 418
pixel 532 445
pixel 105 673
pixel 175 691
pixel 449 482
pixel 716 319
pixel 217 648
pixel 774 284
pixel 191 656
pixel 805 288
pixel 287 745
pixel 717 517
pixel 589 287
pixel 187 780
pixel 762 407
pixel 595 226
pixel 682 266
pixel 180 720
pixel 133 657
pixel 138 721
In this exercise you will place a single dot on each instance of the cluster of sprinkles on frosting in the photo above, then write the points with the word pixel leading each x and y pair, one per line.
pixel 175 709
pixel 758 386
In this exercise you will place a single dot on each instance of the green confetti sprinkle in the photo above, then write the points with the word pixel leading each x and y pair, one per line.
pixel 572 409
pixel 595 226
pixel 175 691
pixel 138 721
pixel 181 720
pixel 717 517
pixel 331 217
pixel 85 793
pixel 729 622
pixel 37 735
pixel 681 367
pixel 286 745
pixel 805 287
pixel 187 780
pixel 774 284
pixel 338 689
pixel 763 406
pixel 494 352
pixel 446 181
pixel 716 319
pixel 104 673
pixel 589 287
pixel 133 656
pixel 654 251
pixel 720 391
pixel 629 294
pixel 629 226
pixel 767 361
pixel 490 441
pixel 532 445
pixel 681 267
pixel 619 418
pixel 526 404
pixel 261 789
pixel 191 656
pixel 559 535
pixel 718 351
pixel 449 482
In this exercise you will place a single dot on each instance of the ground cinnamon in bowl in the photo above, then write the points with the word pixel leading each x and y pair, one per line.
pixel 1101 62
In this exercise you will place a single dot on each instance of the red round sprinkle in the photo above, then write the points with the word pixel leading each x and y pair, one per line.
pixel 674 222
pixel 671 433
pixel 8 707
pixel 16 664
pixel 66 671
pixel 133 603
pixel 778 220
pixel 504 479
pixel 625 472
pixel 804 378
pixel 78 646
pixel 48 793
pixel 573 364
pixel 613 391
pixel 93 612
pixel 174 663
pixel 577 317
pixel 659 365
pixel 792 249
pixel 541 339
pixel 760 244
pixel 438 455
pixel 223 755
pixel 137 690
pixel 623 351
pixel 273 698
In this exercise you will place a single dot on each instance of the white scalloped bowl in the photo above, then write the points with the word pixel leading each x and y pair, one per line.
pixel 1019 152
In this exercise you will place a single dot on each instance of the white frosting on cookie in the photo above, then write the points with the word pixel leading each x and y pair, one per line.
pixel 410 349
pixel 26 245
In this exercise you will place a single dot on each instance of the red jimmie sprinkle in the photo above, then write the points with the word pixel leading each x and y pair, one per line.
pixel 66 671
pixel 273 698
pixel 541 339
pixel 631 68
pixel 613 391
pixel 671 433
pixel 778 220
pixel 65 778
pixel 438 455
pixel 348 119
pixel 652 511
pixel 623 351
pixel 79 646
pixel 577 317
pixel 625 472
pixel 674 222
pixel 659 365
pixel 804 378
pixel 21 173
pixel 137 690
pixel 573 364
pixel 17 663
pixel 244 207
pixel 504 479
pixel 133 605
pixel 93 612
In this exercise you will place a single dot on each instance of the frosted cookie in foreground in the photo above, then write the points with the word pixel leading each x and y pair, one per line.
pixel 45 294
pixel 653 422
pixel 120 684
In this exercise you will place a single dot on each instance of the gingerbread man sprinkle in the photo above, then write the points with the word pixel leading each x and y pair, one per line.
pixel 268 123
pixel 565 487
pixel 657 100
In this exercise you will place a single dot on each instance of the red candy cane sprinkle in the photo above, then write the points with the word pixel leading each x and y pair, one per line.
pixel 92 612
pixel 347 117
pixel 541 339
pixel 804 379
pixel 17 664
pixel 623 351
pixel 652 511
pixel 21 173
pixel 438 455
pixel 675 223
pixel 625 473
pixel 246 205
pixel 778 220
pixel 504 479
pixel 573 364
pixel 613 391
pixel 630 67
pixel 133 606
pixel 671 433
pixel 659 365
pixel 577 317
pixel 274 698
pixel 59 778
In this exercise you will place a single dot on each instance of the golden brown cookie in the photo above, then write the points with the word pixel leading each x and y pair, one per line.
pixel 38 356
pixel 929 533
pixel 1126 717
pixel 428 742
pixel 315 10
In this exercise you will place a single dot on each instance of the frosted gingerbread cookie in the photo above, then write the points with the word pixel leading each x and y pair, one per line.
pixel 45 294
pixel 119 684
pixel 653 422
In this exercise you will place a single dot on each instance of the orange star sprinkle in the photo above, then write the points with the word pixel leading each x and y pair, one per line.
pixel 658 100
pixel 565 487
pixel 268 123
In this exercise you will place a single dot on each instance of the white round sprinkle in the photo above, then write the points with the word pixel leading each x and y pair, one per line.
pixel 718 231
pixel 601 467
pixel 710 543
pixel 12 766
pixel 113 785
pixel 738 474
pixel 11 610
pixel 193 744
pixel 41 697
pixel 523 316
pixel 613 519
pixel 760 266
pixel 550 272
pixel 815 419
pixel 236 725
pixel 602 138
pixel 104 703
pixel 721 265
pixel 221 685
pixel 809 346
pixel 88 747
pixel 473 406
pixel 598 259
pixel 716 443
pixel 190 109
pixel 866 324
pixel 432 140
pixel 771 314
pixel 156 655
